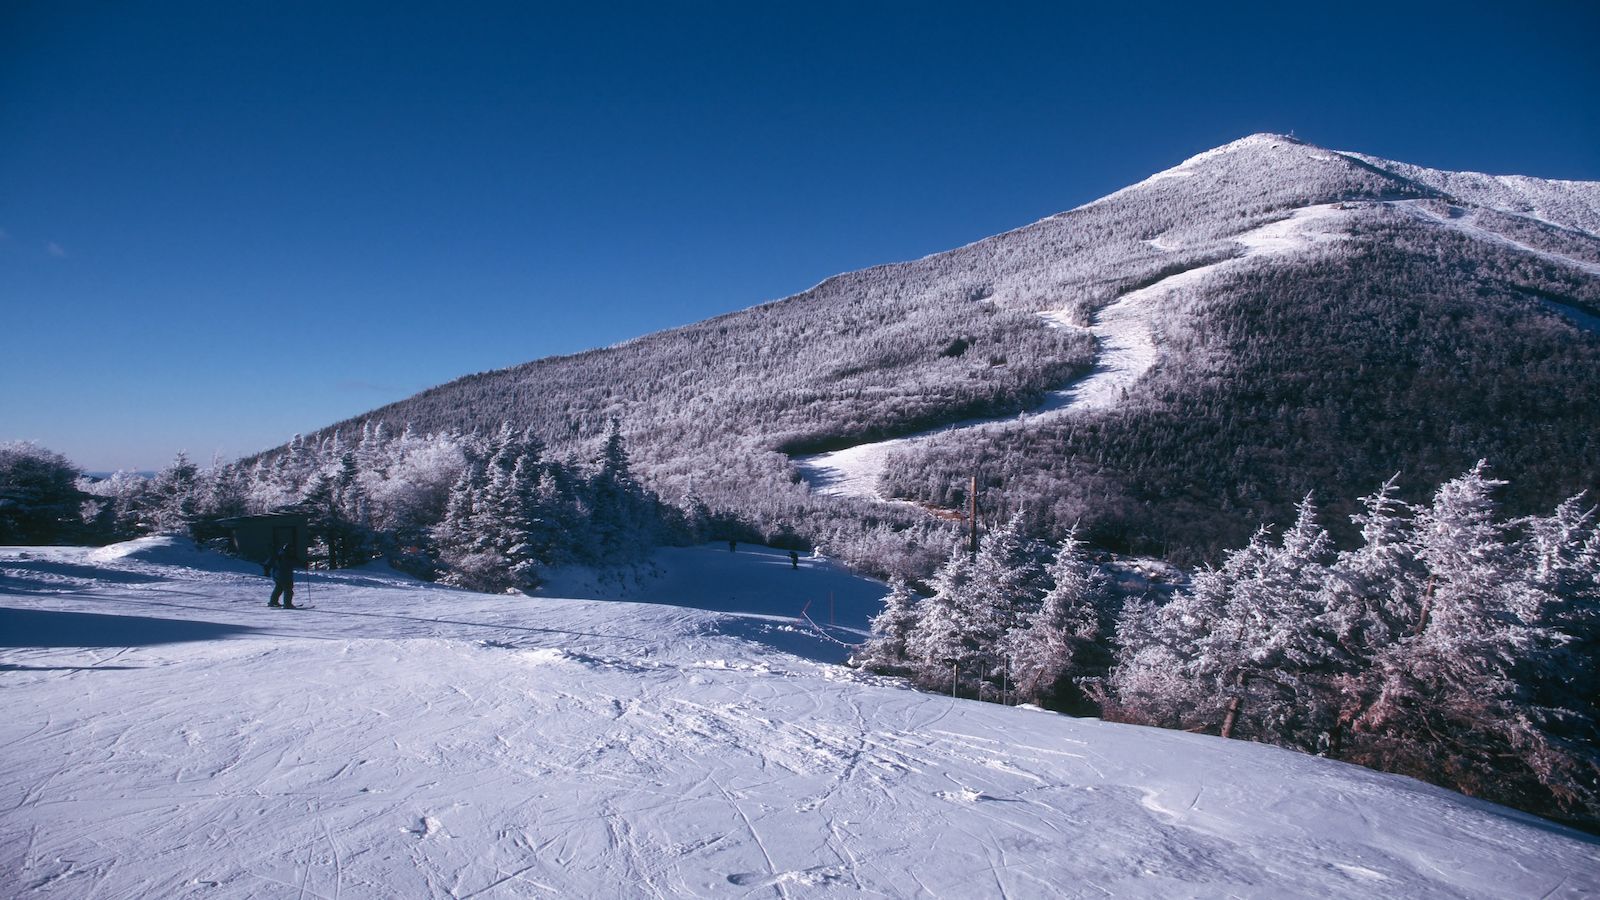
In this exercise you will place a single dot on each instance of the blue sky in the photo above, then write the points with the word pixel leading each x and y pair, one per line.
pixel 221 224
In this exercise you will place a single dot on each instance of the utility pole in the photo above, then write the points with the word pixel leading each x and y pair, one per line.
pixel 972 514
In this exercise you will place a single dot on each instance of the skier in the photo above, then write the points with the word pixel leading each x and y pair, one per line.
pixel 281 568
pixel 794 560
pixel 733 546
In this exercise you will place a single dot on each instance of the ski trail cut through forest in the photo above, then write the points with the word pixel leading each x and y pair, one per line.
pixel 1464 221
pixel 1127 349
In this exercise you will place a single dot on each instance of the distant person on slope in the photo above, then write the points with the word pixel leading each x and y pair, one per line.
pixel 794 560
pixel 281 568
pixel 733 546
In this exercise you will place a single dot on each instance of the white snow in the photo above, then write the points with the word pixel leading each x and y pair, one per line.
pixel 1125 330
pixel 166 735
pixel 1187 168
pixel 1127 350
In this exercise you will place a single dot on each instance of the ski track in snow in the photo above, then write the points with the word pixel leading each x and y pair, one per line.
pixel 410 740
pixel 1126 350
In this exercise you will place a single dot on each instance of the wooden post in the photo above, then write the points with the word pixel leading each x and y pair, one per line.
pixel 972 514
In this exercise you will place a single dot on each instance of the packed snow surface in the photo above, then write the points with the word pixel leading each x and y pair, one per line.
pixel 166 735
pixel 1126 350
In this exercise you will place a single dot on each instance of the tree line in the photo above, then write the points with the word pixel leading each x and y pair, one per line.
pixel 1450 643
pixel 481 512
pixel 1390 350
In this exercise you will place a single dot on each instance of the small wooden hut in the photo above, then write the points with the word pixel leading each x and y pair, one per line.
pixel 256 537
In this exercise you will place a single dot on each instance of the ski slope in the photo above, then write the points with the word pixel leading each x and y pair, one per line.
pixel 1465 221
pixel 168 736
pixel 1126 349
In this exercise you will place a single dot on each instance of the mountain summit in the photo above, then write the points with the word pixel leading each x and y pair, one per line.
pixel 1168 365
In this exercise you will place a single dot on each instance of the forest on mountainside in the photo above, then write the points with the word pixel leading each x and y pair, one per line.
pixel 1391 350
pixel 1323 375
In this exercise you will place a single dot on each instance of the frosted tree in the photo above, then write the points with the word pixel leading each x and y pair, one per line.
pixel 276 483
pixel 224 491
pixel 1249 642
pixel 696 516
pixel 40 496
pixel 496 506
pixel 120 501
pixel 455 535
pixel 1270 653
pixel 522 525
pixel 1009 579
pixel 885 650
pixel 335 537
pixel 413 491
pixel 1003 588
pixel 1450 701
pixel 618 519
pixel 945 639
pixel 505 556
pixel 350 499
pixel 175 500
pixel 1159 676
pixel 551 528
pixel 1559 558
pixel 494 535
pixel 1061 640
pixel 375 452
pixel 1561 548
pixel 1374 595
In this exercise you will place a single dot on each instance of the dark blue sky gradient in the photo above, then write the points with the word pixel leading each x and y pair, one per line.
pixel 225 223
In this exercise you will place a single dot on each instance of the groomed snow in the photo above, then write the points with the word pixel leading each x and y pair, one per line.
pixel 167 736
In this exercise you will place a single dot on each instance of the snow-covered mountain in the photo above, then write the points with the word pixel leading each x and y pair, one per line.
pixel 166 735
pixel 1169 365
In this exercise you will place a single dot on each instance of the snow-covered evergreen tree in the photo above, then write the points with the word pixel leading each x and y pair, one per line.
pixel 1251 640
pixel 224 490
pixel 455 536
pixel 1375 590
pixel 1459 698
pixel 175 497
pixel 1148 682
pixel 619 523
pixel 946 639
pixel 40 494
pixel 885 650
pixel 1062 640
pixel 1008 582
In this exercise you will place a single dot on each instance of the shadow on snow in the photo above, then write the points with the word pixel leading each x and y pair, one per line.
pixel 37 628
